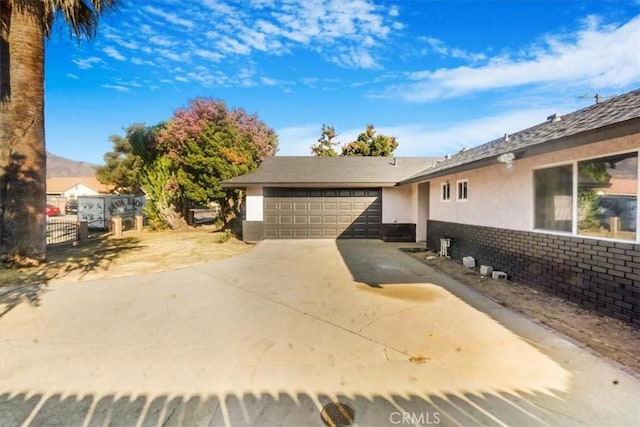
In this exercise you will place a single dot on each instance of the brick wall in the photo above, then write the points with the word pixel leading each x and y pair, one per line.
pixel 599 275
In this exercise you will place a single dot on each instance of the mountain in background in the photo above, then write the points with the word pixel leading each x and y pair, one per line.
pixel 61 166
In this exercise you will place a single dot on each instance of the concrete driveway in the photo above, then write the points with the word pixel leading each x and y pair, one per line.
pixel 272 336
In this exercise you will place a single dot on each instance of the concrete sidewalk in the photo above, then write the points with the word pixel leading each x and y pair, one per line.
pixel 272 336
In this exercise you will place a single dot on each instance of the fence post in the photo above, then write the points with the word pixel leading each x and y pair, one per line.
pixel 117 226
pixel 83 231
pixel 139 223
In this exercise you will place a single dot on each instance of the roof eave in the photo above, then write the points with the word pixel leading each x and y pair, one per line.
pixel 614 130
pixel 308 184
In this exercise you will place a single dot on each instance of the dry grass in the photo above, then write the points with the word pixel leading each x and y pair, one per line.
pixel 135 253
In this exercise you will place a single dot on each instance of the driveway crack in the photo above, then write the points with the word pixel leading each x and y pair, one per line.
pixel 359 334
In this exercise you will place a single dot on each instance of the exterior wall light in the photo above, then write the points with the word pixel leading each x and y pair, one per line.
pixel 507 159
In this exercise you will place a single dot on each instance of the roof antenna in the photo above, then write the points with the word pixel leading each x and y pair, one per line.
pixel 597 97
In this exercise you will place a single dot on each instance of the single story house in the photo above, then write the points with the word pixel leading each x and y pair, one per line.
pixel 70 187
pixel 553 205
pixel 334 197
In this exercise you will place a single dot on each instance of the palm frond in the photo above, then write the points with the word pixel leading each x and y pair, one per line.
pixel 80 15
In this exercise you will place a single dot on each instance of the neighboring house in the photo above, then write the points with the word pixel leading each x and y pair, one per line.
pixel 70 187
pixel 554 205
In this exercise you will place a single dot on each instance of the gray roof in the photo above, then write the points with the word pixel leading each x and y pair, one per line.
pixel 537 139
pixel 332 171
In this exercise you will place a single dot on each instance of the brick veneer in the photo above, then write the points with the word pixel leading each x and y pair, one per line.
pixel 600 275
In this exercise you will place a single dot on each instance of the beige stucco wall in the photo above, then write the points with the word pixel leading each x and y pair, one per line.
pixel 255 204
pixel 502 197
pixel 400 204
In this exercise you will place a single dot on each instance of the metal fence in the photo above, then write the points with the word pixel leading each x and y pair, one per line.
pixel 60 232
pixel 96 230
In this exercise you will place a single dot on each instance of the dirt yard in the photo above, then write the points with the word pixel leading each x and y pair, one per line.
pixel 135 253
pixel 612 338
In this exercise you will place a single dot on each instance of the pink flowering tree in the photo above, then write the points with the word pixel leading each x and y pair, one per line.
pixel 208 143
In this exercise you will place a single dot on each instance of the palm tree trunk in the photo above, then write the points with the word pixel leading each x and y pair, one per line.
pixel 23 154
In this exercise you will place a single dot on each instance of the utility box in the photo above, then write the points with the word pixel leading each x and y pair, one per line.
pixel 97 211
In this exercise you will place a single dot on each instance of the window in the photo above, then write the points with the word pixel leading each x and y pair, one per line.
pixel 608 197
pixel 596 197
pixel 554 198
pixel 463 190
pixel 446 191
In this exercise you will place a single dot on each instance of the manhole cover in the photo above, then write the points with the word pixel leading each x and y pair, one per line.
pixel 337 415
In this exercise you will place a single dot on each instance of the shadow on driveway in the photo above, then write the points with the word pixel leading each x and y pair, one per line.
pixel 265 409
pixel 27 285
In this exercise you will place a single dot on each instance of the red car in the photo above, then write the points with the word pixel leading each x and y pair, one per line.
pixel 51 210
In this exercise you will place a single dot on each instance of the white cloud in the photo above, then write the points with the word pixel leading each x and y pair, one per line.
pixel 230 45
pixel 354 58
pixel 169 17
pixel 72 76
pixel 87 63
pixel 118 88
pixel 146 29
pixel 208 54
pixel 173 56
pixel 112 52
pixel 162 41
pixel 297 140
pixel 128 44
pixel 139 61
pixel 420 139
pixel 598 56
pixel 220 33
pixel 438 46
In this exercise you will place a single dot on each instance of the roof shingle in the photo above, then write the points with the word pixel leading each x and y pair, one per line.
pixel 616 110
pixel 332 171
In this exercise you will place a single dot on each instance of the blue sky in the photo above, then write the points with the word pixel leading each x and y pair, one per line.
pixel 438 75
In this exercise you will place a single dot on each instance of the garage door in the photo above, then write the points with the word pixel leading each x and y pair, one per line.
pixel 322 213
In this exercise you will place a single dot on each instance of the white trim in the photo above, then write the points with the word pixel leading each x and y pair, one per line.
pixel 574 192
pixel 580 236
pixel 442 186
pixel 466 188
pixel 574 197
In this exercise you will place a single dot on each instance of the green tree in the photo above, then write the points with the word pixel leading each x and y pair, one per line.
pixel 24 25
pixel 122 165
pixel 324 147
pixel 370 144
pixel 209 143
pixel 157 178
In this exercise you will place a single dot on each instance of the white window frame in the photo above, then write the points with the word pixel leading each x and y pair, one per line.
pixel 574 227
pixel 447 192
pixel 465 183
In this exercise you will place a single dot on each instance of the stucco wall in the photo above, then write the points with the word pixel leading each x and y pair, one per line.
pixel 79 190
pixel 400 204
pixel 254 204
pixel 502 197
